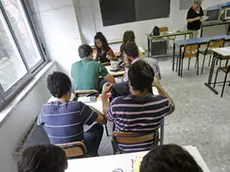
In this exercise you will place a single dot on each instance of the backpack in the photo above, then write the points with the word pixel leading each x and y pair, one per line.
pixel 156 31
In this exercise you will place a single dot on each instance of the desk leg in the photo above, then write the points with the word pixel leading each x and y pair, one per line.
pixel 173 64
pixel 201 31
pixel 148 46
pixel 179 69
pixel 208 84
pixel 162 133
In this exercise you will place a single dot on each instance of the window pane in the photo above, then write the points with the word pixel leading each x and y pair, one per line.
pixel 22 31
pixel 12 68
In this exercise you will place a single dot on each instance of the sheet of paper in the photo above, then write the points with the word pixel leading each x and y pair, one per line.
pixel 204 18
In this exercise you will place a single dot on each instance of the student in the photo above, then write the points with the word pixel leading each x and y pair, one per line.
pixel 140 111
pixel 169 158
pixel 42 158
pixel 193 18
pixel 104 52
pixel 128 36
pixel 131 55
pixel 63 119
pixel 86 72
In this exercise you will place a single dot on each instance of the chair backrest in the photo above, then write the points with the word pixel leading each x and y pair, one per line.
pixel 133 138
pixel 191 50
pixel 74 149
pixel 216 43
pixel 164 29
pixel 85 93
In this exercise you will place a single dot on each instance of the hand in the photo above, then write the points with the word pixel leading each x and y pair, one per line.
pixel 106 88
pixel 198 18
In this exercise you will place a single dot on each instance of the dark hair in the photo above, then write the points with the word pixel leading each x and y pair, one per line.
pixel 85 50
pixel 103 40
pixel 140 75
pixel 42 158
pixel 128 36
pixel 131 49
pixel 58 84
pixel 169 158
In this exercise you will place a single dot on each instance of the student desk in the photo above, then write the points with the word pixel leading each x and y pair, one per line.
pixel 115 74
pixel 122 161
pixel 212 23
pixel 165 35
pixel 202 40
pixel 219 54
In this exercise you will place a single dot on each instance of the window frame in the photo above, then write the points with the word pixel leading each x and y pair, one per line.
pixel 7 96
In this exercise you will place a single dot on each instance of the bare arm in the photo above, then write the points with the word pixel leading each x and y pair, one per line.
pixel 193 20
pixel 105 104
pixel 109 78
pixel 101 119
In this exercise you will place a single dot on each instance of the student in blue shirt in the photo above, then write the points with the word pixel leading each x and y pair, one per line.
pixel 63 119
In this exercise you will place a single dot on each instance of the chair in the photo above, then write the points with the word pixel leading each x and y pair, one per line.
pixel 87 93
pixel 226 70
pixel 211 44
pixel 74 149
pixel 130 138
pixel 165 29
pixel 190 50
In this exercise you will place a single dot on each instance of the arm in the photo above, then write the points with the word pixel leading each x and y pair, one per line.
pixel 101 119
pixel 193 20
pixel 105 103
pixel 105 74
pixel 111 55
pixel 110 78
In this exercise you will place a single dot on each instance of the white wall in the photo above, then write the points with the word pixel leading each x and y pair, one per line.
pixel 18 121
pixel 58 24
pixel 89 15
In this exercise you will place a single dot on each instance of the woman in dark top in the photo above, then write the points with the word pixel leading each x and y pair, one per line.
pixel 128 36
pixel 193 18
pixel 104 52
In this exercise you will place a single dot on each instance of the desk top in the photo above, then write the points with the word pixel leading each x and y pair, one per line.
pixel 200 40
pixel 170 33
pixel 224 52
pixel 115 74
pixel 213 23
pixel 123 161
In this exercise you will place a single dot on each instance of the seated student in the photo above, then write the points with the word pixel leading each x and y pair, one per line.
pixel 169 158
pixel 63 119
pixel 131 55
pixel 140 111
pixel 86 72
pixel 104 52
pixel 128 36
pixel 42 158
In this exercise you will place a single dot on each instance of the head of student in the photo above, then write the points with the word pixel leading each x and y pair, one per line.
pixel 85 51
pixel 169 158
pixel 101 42
pixel 197 4
pixel 42 158
pixel 140 77
pixel 128 36
pixel 59 85
pixel 131 52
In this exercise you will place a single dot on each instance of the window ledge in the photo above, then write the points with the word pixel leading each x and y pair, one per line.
pixel 11 106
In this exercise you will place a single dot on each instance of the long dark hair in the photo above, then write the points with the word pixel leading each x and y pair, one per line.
pixel 105 45
pixel 128 36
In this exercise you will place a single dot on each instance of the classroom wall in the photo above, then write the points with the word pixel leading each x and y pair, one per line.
pixel 18 121
pixel 89 16
pixel 56 19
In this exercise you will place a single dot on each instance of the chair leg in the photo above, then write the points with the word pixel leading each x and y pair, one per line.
pixel 209 63
pixel 202 70
pixel 182 66
pixel 216 78
pixel 189 60
pixel 107 131
pixel 225 79
pixel 197 61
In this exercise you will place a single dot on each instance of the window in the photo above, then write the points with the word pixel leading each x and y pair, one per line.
pixel 20 51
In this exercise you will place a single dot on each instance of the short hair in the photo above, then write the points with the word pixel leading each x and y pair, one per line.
pixel 140 75
pixel 169 158
pixel 131 49
pixel 128 36
pixel 58 84
pixel 42 158
pixel 85 50
pixel 199 2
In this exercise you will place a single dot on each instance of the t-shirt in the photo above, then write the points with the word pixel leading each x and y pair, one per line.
pixel 139 114
pixel 86 74
pixel 151 61
pixel 193 14
pixel 63 121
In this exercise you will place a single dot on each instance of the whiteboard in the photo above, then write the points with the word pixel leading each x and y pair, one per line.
pixel 185 4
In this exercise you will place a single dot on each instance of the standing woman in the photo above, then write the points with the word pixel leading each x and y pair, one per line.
pixel 128 36
pixel 104 52
pixel 194 18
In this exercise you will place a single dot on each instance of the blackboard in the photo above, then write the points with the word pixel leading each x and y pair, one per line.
pixel 186 4
pixel 123 11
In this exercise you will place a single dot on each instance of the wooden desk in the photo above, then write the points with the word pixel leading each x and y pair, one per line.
pixel 219 54
pixel 123 161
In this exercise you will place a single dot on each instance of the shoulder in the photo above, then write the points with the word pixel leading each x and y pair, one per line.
pixel 118 100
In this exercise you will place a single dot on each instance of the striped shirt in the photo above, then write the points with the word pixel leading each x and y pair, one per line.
pixel 63 121
pixel 139 114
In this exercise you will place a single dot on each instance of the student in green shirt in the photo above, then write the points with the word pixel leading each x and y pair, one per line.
pixel 86 73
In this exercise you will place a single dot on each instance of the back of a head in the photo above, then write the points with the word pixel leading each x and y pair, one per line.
pixel 42 158
pixel 140 75
pixel 169 158
pixel 128 36
pixel 85 51
pixel 131 49
pixel 58 84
